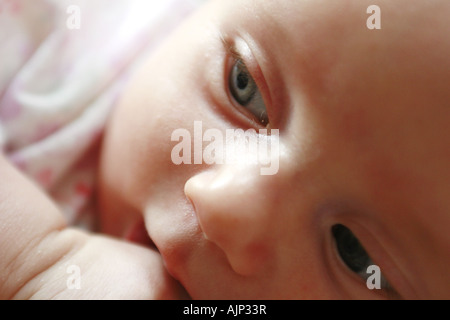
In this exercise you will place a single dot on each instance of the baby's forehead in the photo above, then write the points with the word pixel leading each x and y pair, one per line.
pixel 327 31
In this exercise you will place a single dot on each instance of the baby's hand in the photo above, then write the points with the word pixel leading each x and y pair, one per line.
pixel 41 258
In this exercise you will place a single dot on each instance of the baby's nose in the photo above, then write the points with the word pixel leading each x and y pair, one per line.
pixel 234 210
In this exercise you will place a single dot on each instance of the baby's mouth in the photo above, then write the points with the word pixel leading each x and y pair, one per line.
pixel 137 233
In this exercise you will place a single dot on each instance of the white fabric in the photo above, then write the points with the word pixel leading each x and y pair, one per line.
pixel 58 83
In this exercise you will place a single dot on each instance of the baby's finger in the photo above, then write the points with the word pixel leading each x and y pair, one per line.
pixel 27 220
pixel 41 258
pixel 99 267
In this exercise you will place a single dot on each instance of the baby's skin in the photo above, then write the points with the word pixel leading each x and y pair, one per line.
pixel 363 173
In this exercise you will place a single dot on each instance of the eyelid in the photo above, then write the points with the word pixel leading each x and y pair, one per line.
pixel 342 213
pixel 342 275
pixel 363 275
pixel 238 49
pixel 376 255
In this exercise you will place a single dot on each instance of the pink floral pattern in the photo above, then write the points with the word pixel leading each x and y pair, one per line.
pixel 58 85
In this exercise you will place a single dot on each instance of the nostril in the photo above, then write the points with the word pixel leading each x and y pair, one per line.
pixel 206 193
pixel 138 233
pixel 189 196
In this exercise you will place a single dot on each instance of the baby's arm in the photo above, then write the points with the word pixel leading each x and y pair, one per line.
pixel 38 252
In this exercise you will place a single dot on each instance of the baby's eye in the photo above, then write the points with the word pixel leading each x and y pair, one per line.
pixel 350 250
pixel 353 253
pixel 245 91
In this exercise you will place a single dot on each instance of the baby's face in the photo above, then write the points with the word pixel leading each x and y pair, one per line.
pixel 363 166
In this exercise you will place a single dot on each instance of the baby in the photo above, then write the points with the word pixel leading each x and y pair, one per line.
pixel 363 182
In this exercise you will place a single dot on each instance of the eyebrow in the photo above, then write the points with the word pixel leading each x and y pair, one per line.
pixel 230 48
